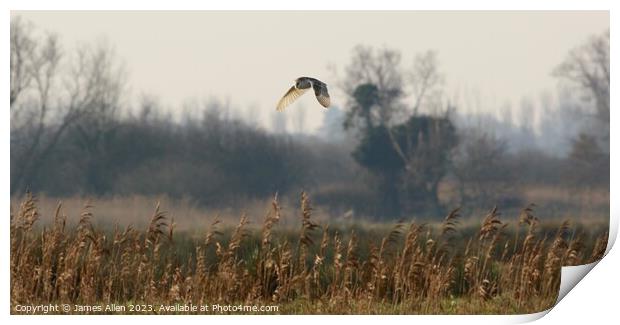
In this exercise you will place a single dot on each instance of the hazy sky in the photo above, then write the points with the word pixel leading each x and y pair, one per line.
pixel 251 58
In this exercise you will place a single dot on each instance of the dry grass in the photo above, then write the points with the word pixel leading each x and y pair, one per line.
pixel 412 268
pixel 190 215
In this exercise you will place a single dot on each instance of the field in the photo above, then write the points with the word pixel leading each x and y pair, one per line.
pixel 494 265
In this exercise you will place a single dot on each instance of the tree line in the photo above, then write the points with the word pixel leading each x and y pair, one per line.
pixel 72 133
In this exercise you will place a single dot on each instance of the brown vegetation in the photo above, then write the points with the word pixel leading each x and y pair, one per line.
pixel 414 268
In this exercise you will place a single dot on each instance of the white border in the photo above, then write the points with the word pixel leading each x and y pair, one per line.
pixel 583 305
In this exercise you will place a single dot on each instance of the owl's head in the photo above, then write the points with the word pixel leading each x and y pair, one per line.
pixel 302 83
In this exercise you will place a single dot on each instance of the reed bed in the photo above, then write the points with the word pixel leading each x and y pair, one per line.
pixel 414 268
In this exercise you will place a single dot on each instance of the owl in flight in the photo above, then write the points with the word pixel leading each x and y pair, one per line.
pixel 302 84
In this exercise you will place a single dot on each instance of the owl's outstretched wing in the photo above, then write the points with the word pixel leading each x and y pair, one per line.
pixel 290 96
pixel 320 91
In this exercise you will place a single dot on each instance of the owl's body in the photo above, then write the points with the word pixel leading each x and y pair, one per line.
pixel 302 84
pixel 305 82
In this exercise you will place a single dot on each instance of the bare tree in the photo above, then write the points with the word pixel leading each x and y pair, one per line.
pixel 22 48
pixel 587 68
pixel 46 103
pixel 96 87
pixel 425 79
pixel 103 79
pixel 34 65
pixel 407 151
pixel 374 86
